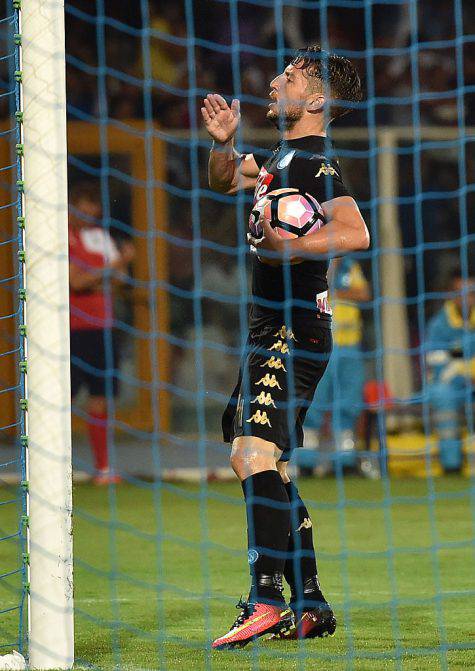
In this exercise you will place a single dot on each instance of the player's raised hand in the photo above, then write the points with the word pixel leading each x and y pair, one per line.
pixel 221 121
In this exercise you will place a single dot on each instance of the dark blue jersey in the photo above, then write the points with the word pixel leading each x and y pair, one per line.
pixel 301 164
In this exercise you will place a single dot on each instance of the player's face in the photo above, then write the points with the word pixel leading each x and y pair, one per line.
pixel 289 94
pixel 86 213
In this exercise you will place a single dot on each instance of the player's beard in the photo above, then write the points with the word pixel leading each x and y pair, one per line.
pixel 285 119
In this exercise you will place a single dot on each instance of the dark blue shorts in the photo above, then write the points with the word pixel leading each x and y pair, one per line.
pixel 279 374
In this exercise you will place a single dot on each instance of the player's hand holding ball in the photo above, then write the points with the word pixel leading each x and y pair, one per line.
pixel 221 121
pixel 268 241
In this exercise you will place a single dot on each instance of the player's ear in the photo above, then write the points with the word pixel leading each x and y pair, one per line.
pixel 315 103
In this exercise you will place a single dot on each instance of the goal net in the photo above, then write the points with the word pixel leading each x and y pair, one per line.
pixel 138 357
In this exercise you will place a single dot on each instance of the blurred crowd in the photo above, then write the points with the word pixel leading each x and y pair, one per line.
pixel 235 48
pixel 414 65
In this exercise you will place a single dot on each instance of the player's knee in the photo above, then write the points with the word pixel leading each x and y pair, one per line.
pixel 282 468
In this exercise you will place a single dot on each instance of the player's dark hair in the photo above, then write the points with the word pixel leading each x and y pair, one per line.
pixel 84 191
pixel 336 72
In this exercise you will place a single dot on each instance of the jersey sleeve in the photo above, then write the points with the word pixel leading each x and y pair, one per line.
pixel 319 177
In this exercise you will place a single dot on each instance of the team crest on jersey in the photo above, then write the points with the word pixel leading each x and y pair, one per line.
pixel 326 169
pixel 285 160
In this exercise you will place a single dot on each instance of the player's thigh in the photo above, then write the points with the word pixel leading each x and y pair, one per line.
pixel 310 368
pixel 79 349
pixel 103 357
pixel 251 455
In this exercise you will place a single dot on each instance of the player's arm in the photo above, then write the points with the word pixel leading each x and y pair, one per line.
pixel 344 232
pixel 355 294
pixel 81 279
pixel 228 171
pixel 123 261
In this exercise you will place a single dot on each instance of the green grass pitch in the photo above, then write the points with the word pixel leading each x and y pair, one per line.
pixel 144 604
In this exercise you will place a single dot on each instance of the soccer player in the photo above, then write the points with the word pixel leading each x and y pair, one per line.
pixel 288 347
pixel 92 253
pixel 450 357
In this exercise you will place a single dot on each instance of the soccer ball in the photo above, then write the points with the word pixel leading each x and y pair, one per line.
pixel 290 212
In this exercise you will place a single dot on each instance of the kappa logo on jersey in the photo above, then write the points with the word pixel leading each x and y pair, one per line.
pixel 279 346
pixel 274 362
pixel 262 184
pixel 326 169
pixel 285 160
pixel 264 399
pixel 260 418
pixel 269 381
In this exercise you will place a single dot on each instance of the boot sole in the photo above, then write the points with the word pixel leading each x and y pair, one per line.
pixel 324 630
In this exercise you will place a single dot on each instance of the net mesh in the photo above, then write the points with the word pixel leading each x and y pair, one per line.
pixel 160 559
pixel 13 574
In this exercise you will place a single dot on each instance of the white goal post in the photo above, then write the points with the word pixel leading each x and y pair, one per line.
pixel 50 617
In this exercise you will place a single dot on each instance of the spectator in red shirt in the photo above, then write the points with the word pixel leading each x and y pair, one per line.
pixel 93 254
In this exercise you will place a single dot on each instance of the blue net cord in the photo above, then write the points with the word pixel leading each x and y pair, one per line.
pixel 151 177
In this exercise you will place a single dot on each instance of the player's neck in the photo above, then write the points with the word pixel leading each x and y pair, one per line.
pixel 303 130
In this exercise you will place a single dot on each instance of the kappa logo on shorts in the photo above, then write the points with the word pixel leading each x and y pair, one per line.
pixel 285 334
pixel 260 418
pixel 269 381
pixel 306 524
pixel 274 362
pixel 264 399
pixel 279 346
